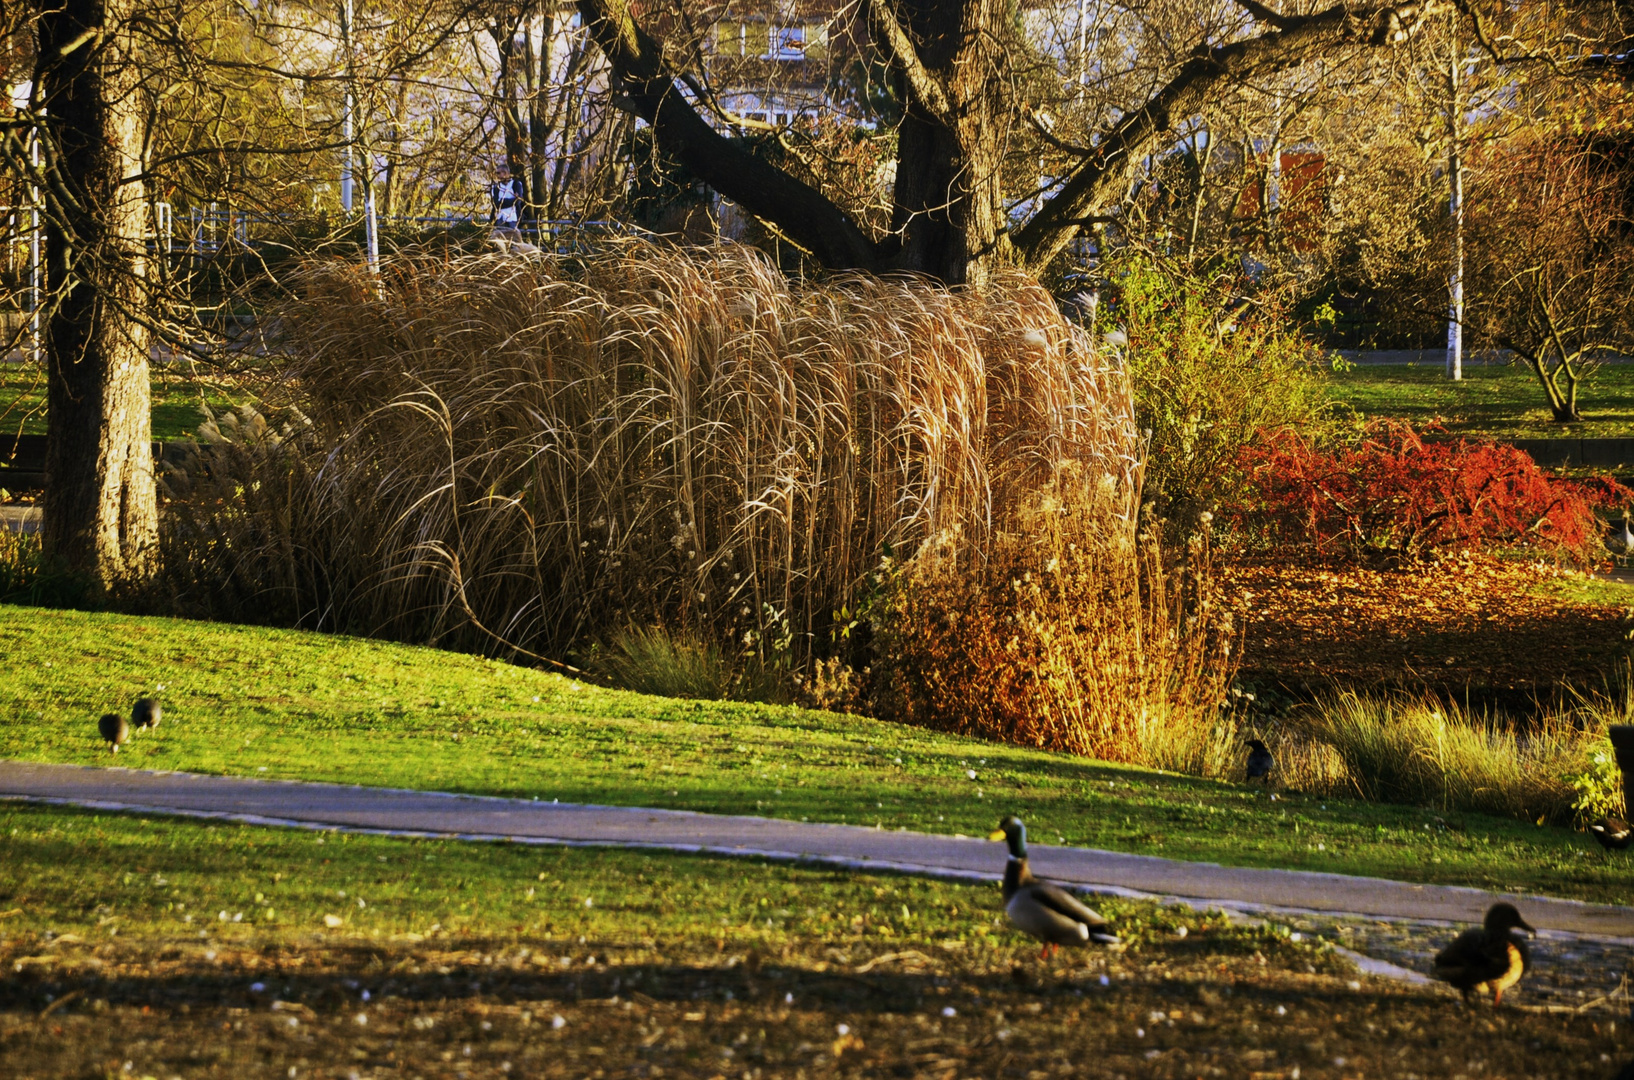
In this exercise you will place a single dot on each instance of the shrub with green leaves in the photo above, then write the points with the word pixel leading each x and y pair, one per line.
pixel 1211 372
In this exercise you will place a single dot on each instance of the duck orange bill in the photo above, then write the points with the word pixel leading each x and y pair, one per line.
pixel 996 834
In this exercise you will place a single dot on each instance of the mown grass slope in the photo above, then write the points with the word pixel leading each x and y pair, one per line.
pixel 274 703
pixel 1492 401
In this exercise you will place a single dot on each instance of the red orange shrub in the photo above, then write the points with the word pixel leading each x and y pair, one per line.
pixel 1396 496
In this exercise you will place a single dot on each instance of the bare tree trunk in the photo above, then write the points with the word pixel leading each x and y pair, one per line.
pixel 101 513
pixel 537 86
pixel 503 32
pixel 949 210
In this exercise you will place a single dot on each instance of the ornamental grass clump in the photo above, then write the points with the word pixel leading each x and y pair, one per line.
pixel 1433 753
pixel 533 455
pixel 1066 631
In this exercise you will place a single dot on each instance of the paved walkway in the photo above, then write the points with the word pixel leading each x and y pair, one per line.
pixel 424 813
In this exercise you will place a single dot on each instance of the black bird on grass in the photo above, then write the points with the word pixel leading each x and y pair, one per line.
pixel 1489 957
pixel 1047 912
pixel 114 730
pixel 1260 762
pixel 145 714
pixel 1612 833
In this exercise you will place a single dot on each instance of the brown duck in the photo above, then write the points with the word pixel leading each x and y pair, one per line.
pixel 1047 912
pixel 1491 957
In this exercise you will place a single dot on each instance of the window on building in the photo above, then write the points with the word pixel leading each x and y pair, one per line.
pixel 756 39
pixel 788 43
pixel 816 41
pixel 728 39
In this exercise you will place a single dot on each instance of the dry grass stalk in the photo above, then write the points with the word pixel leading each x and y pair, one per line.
pixel 563 447
pixel 1427 752
pixel 1065 631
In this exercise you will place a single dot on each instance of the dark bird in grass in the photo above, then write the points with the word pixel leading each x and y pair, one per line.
pixel 145 714
pixel 114 730
pixel 1490 957
pixel 1612 833
pixel 1047 912
pixel 1260 761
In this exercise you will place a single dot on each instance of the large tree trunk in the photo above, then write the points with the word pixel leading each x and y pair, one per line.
pixel 101 514
pixel 948 210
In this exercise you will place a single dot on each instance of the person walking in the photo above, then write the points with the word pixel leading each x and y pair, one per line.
pixel 506 194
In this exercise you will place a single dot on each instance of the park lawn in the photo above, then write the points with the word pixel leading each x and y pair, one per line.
pixel 1493 401
pixel 149 947
pixel 176 399
pixel 288 704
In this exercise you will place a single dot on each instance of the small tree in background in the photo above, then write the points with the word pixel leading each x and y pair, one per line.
pixel 1551 255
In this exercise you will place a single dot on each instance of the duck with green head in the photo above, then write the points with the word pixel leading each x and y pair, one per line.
pixel 1047 912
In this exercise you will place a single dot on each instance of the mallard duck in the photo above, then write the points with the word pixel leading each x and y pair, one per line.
pixel 1047 912
pixel 114 730
pixel 1489 957
pixel 145 714
pixel 1260 761
pixel 1612 833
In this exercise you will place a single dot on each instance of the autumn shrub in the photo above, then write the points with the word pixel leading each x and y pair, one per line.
pixel 1066 630
pixel 1211 376
pixel 1395 496
pixel 529 454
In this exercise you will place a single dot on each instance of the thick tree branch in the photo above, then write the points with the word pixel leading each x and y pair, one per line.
pixel 1101 181
pixel 799 210
pixel 926 91
pixel 1265 15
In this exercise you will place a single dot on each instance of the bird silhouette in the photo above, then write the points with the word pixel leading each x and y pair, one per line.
pixel 1260 762
pixel 1621 543
pixel 1488 957
pixel 1045 911
pixel 145 714
pixel 1612 833
pixel 114 730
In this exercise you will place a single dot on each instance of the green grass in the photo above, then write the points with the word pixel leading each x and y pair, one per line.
pixel 175 402
pixel 100 875
pixel 1493 401
pixel 272 703
pixel 138 946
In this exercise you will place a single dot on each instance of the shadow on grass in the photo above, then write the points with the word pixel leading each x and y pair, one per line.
pixel 1186 1009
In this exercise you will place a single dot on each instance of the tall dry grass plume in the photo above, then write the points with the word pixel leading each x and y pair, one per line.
pixel 541 453
pixel 1065 630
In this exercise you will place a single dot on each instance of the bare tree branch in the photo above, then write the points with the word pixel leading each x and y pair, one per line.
pixel 1102 179
pixel 928 93
pixel 799 210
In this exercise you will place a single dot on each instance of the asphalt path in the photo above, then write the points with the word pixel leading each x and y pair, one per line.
pixel 429 813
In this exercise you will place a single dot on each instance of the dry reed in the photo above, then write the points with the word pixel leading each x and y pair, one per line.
pixel 535 453
pixel 1066 630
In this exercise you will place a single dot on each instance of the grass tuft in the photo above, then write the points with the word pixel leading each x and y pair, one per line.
pixel 1428 752
pixel 650 660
